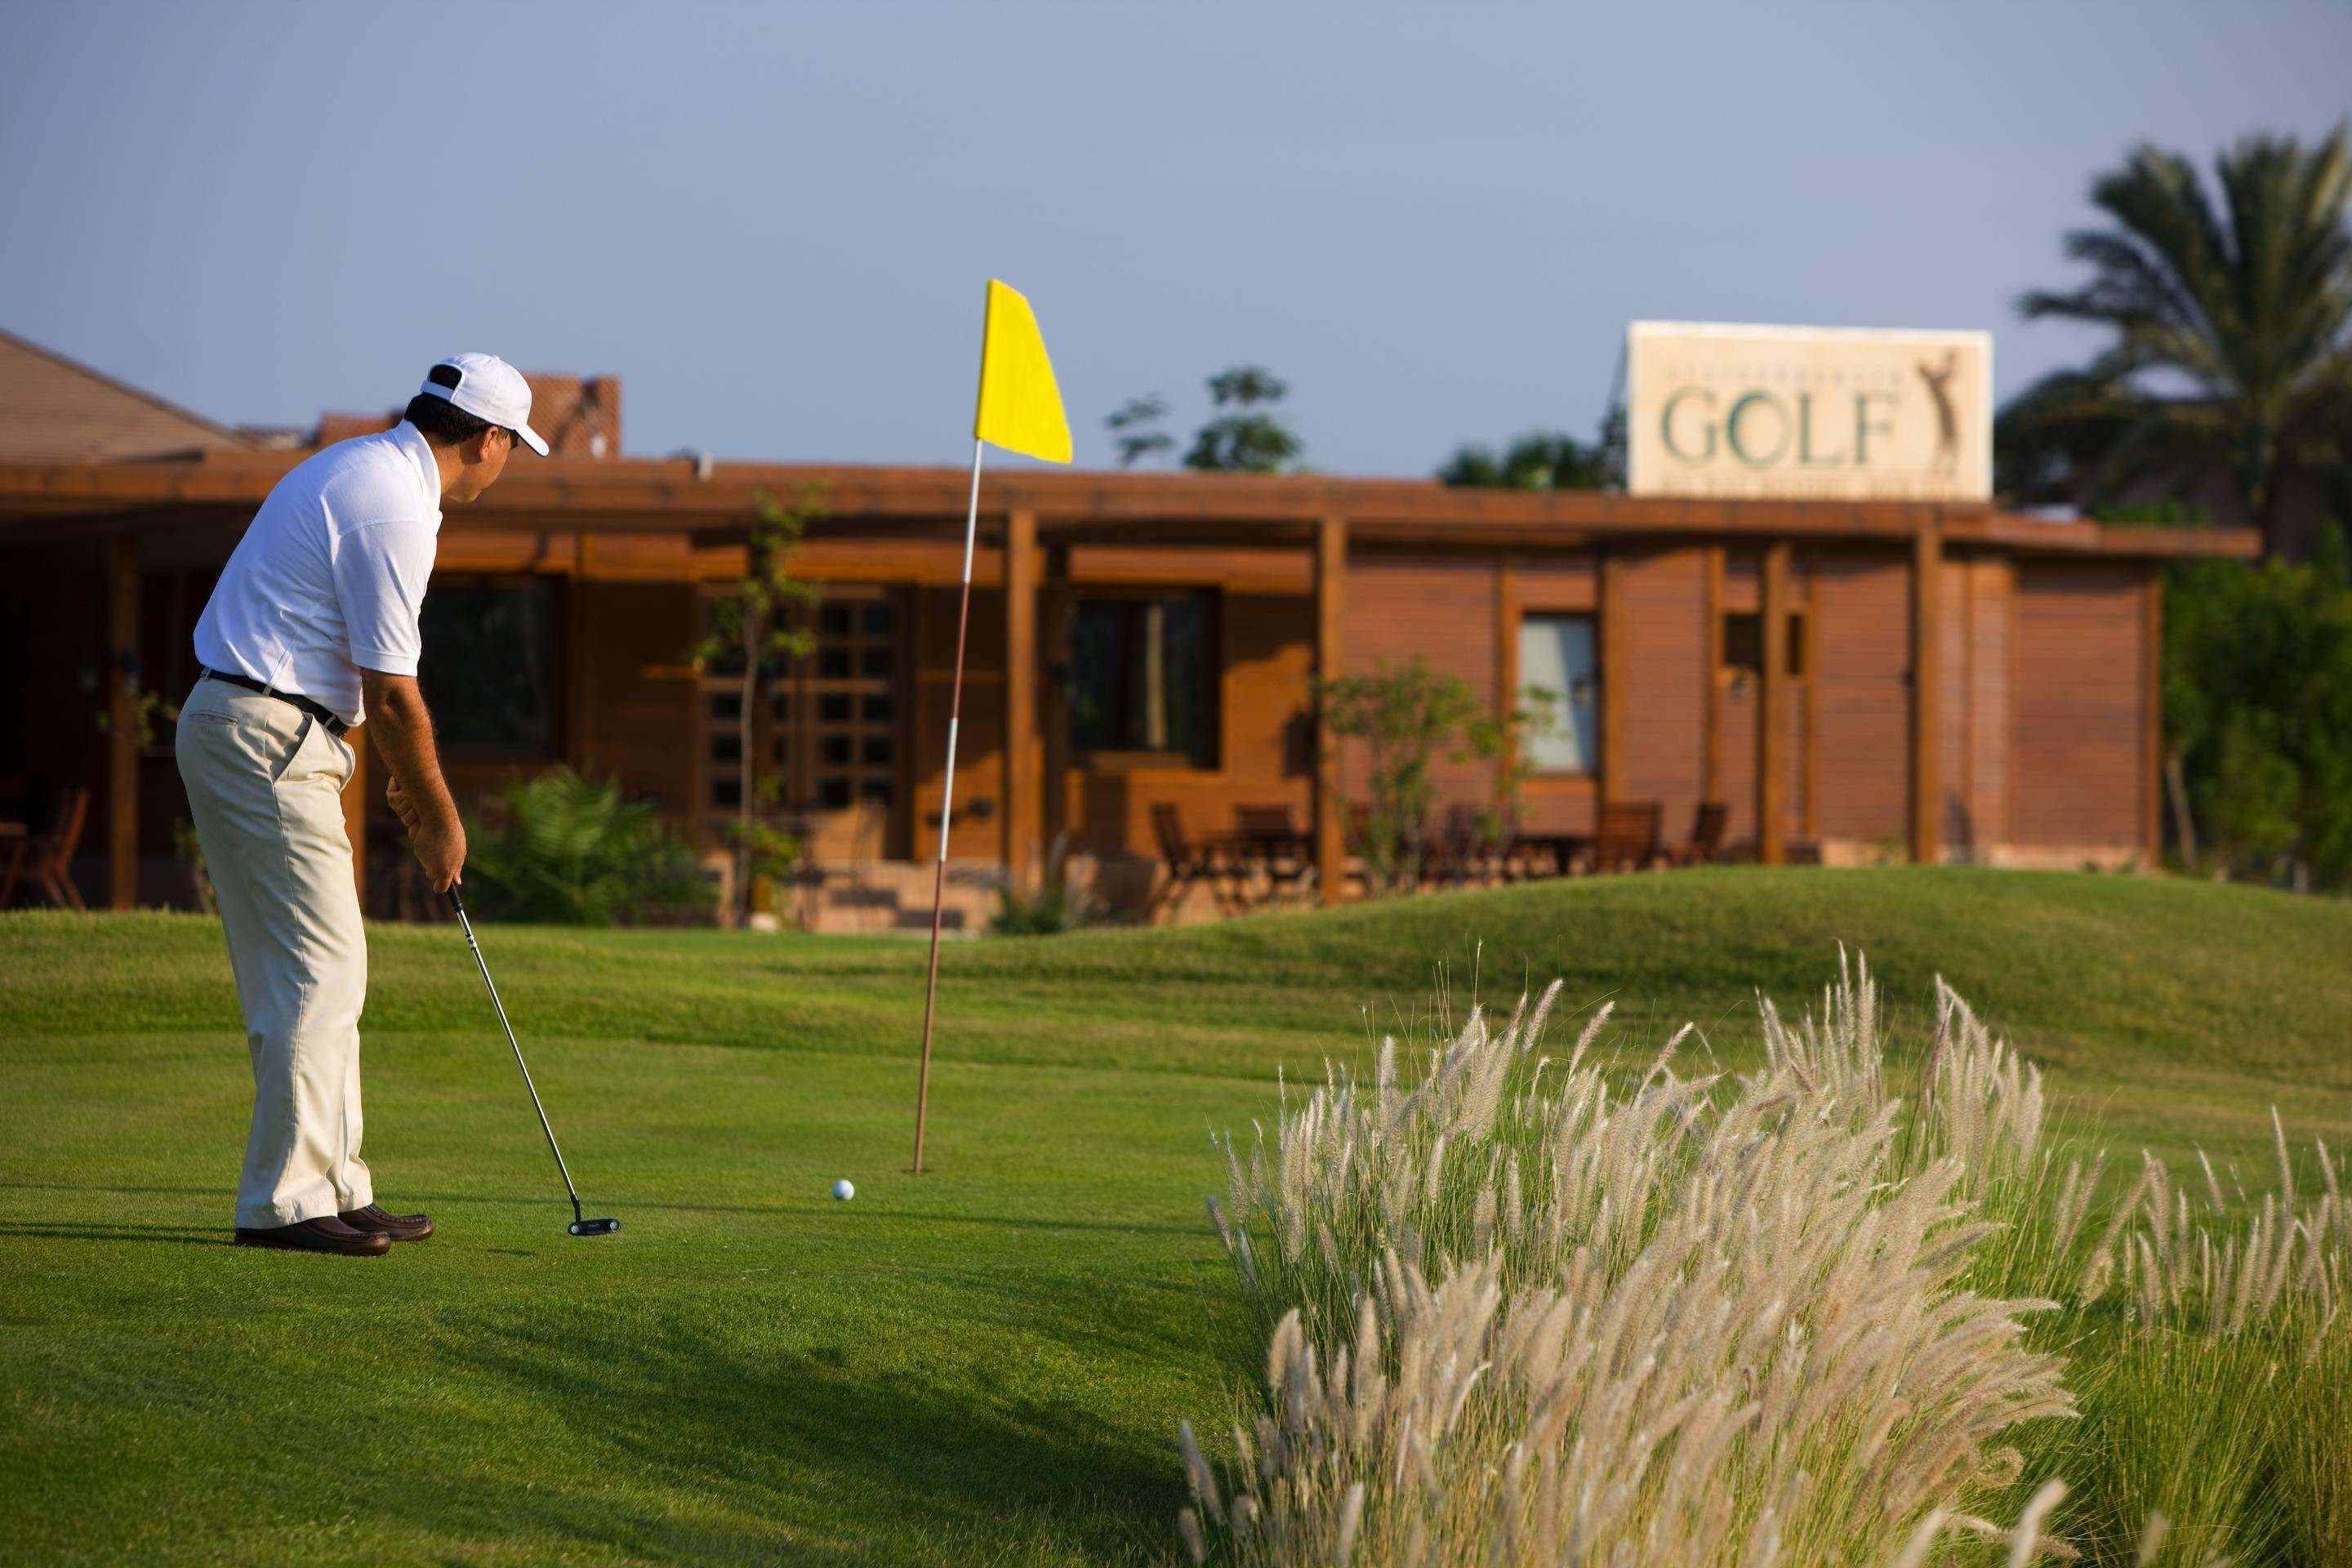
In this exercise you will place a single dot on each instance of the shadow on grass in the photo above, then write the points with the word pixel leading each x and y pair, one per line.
pixel 804 1457
pixel 180 1234
pixel 867 1215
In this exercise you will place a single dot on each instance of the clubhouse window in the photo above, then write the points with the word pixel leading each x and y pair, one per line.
pixel 488 671
pixel 1559 674
pixel 1142 676
pixel 1743 643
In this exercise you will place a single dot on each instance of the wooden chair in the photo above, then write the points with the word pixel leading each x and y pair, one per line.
pixel 48 857
pixel 1274 844
pixel 1460 854
pixel 1628 836
pixel 1706 846
pixel 1187 862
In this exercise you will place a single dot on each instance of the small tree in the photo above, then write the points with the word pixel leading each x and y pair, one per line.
pixel 1503 740
pixel 2258 715
pixel 1407 716
pixel 752 635
pixel 1134 427
pixel 1245 437
pixel 1249 437
pixel 1545 460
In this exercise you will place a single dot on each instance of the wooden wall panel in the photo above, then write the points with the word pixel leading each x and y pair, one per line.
pixel 1861 699
pixel 1557 582
pixel 1975 724
pixel 1663 647
pixel 2079 721
pixel 1442 609
pixel 634 702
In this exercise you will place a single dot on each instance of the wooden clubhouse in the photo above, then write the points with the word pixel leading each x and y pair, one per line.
pixel 1848 680
pixel 1953 680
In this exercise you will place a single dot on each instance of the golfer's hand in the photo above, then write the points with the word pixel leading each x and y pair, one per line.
pixel 441 851
pixel 402 806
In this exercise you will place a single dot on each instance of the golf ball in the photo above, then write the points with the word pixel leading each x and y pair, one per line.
pixel 844 1190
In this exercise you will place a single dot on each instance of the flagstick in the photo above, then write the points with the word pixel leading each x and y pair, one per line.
pixel 947 808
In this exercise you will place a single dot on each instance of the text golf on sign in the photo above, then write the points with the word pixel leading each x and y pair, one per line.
pixel 1808 413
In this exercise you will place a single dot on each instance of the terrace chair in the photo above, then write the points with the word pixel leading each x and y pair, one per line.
pixel 1627 839
pixel 1458 855
pixel 1274 844
pixel 1187 862
pixel 48 857
pixel 1706 846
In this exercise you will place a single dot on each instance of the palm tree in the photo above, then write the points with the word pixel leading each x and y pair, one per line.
pixel 2231 357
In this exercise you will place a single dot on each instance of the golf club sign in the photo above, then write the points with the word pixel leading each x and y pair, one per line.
pixel 1808 413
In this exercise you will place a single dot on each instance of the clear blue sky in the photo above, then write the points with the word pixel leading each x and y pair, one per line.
pixel 774 221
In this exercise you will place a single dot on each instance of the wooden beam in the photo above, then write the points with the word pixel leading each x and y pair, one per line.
pixel 646 495
pixel 1772 710
pixel 1927 691
pixel 1024 800
pixel 1330 655
pixel 123 720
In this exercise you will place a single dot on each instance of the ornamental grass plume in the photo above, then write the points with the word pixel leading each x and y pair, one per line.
pixel 1527 1308
pixel 1521 1315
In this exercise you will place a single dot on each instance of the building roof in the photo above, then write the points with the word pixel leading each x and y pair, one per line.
pixel 55 408
pixel 63 428
pixel 672 496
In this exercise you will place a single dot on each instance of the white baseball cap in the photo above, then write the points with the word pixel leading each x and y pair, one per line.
pixel 487 387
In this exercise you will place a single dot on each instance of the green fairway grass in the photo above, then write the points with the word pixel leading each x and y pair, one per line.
pixel 984 1364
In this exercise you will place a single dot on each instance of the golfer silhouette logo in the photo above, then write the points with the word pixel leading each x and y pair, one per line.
pixel 1947 419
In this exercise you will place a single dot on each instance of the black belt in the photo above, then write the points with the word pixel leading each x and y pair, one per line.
pixel 318 711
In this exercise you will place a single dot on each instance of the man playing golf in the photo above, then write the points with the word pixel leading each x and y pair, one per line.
pixel 312 628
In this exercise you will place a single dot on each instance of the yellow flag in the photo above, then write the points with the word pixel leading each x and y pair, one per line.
pixel 1020 405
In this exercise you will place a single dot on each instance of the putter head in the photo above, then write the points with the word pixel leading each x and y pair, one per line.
pixel 594 1226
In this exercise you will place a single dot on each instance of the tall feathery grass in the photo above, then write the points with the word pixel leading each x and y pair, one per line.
pixel 1521 1308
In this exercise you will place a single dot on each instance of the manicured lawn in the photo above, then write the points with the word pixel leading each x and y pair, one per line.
pixel 985 1365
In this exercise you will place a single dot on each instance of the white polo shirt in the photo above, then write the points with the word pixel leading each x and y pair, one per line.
pixel 330 573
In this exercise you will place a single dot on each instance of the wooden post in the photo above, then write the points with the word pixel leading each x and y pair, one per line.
pixel 1023 798
pixel 1927 690
pixel 2152 712
pixel 1507 676
pixel 1710 738
pixel 123 720
pixel 1052 707
pixel 1331 608
pixel 1612 680
pixel 1772 709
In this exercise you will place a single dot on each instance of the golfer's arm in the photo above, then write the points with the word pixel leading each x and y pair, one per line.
pixel 404 736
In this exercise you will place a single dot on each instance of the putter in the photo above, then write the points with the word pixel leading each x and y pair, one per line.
pixel 580 1227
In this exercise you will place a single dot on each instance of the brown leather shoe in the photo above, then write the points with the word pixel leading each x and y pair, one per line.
pixel 398 1227
pixel 320 1234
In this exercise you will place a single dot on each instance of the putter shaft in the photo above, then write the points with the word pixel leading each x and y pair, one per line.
pixel 458 904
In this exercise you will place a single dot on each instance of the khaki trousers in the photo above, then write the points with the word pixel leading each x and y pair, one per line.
pixel 265 782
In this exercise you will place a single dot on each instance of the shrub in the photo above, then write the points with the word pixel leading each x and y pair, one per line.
pixel 1054 906
pixel 571 850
